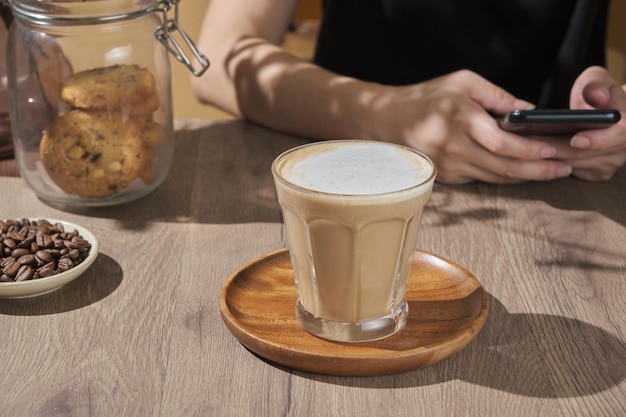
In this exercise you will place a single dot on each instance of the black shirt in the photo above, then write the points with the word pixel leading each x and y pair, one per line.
pixel 532 48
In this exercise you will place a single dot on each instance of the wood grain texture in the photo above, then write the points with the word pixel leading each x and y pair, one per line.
pixel 141 333
pixel 447 309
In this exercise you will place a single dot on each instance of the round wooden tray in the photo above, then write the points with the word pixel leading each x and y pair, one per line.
pixel 447 308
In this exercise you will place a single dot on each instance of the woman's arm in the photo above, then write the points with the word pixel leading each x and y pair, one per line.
pixel 447 118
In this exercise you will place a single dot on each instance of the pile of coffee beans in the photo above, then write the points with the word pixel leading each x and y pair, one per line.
pixel 33 249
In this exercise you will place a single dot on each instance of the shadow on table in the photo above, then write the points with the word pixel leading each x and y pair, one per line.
pixel 98 282
pixel 604 197
pixel 545 356
pixel 221 175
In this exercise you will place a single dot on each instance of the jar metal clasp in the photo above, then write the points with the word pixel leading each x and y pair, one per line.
pixel 165 34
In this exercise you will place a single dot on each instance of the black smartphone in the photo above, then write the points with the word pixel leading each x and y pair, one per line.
pixel 557 122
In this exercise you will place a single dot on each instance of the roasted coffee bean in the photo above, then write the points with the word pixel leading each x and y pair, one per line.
pixel 26 242
pixel 44 256
pixel 44 240
pixel 20 252
pixel 29 259
pixel 47 270
pixel 11 269
pixel 7 261
pixel 74 254
pixel 54 253
pixel 65 264
pixel 24 273
pixel 9 243
pixel 33 249
pixel 71 245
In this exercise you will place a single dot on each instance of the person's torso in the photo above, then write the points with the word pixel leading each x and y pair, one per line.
pixel 512 43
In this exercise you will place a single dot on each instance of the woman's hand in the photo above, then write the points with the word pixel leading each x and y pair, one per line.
pixel 450 119
pixel 596 154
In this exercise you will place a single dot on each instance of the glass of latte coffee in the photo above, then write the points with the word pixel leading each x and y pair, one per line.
pixel 352 210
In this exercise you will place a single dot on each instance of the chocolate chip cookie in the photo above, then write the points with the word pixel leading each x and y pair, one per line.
pixel 116 86
pixel 93 154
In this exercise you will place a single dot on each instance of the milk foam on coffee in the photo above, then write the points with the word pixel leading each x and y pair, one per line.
pixel 359 169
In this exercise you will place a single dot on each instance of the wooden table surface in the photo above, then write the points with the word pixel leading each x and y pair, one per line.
pixel 140 334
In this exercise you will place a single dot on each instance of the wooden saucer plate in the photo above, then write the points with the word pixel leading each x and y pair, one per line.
pixel 447 308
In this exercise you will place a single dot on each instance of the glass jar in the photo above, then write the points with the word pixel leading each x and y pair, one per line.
pixel 6 142
pixel 90 97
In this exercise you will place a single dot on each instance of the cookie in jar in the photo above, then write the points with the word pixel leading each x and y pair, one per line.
pixel 91 104
pixel 106 139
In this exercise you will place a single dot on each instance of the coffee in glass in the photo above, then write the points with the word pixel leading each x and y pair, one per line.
pixel 352 210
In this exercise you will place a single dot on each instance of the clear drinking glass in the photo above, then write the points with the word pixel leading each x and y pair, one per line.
pixel 352 211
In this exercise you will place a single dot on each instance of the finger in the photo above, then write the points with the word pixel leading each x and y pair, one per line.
pixel 596 88
pixel 485 130
pixel 593 174
pixel 529 170
pixel 590 90
pixel 613 138
pixel 564 150
pixel 598 168
pixel 469 173
pixel 514 169
pixel 489 177
pixel 486 173
pixel 490 96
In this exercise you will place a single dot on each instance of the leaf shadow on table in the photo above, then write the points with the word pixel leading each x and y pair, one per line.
pixel 536 355
pixel 97 283
pixel 221 175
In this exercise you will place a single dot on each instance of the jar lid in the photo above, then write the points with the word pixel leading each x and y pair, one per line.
pixel 70 12
pixel 43 10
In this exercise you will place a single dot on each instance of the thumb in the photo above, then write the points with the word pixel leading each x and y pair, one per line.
pixel 490 96
pixel 596 88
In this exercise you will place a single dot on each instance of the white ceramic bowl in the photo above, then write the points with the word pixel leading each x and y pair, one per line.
pixel 40 286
